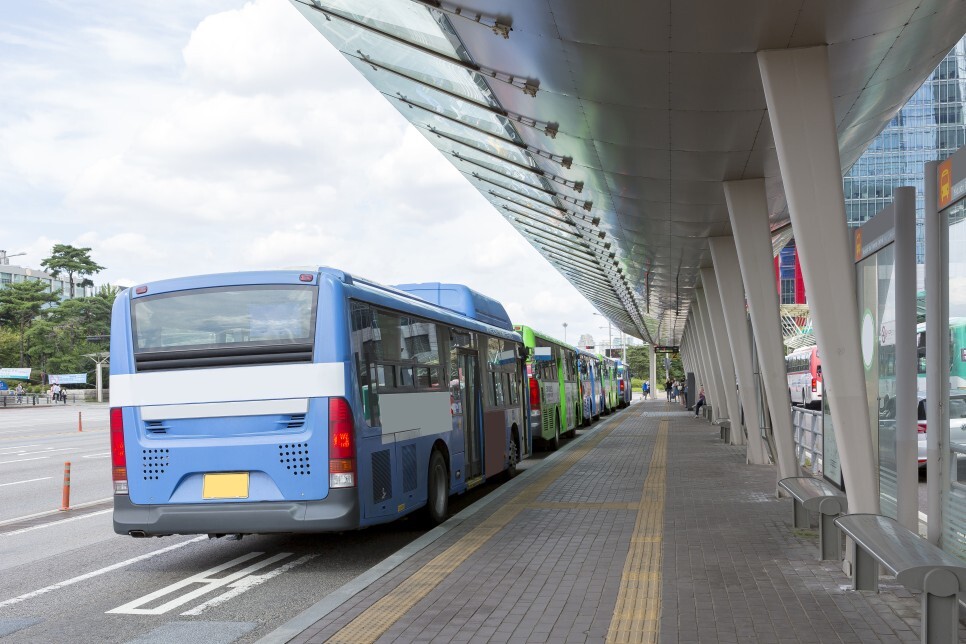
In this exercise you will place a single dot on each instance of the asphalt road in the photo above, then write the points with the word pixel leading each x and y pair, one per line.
pixel 66 577
pixel 35 442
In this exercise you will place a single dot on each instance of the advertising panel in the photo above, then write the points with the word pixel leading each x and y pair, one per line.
pixel 15 373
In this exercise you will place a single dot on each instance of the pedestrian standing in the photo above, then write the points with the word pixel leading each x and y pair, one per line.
pixel 667 389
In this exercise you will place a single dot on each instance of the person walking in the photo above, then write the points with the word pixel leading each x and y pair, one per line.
pixel 676 391
pixel 700 403
pixel 19 392
pixel 667 389
pixel 646 387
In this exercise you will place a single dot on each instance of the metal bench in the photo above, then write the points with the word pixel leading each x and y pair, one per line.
pixel 814 495
pixel 916 564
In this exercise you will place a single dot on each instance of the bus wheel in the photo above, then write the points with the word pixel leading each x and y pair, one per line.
pixel 555 442
pixel 437 505
pixel 513 457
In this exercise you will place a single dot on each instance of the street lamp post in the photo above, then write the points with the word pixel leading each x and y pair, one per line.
pixel 565 331
pixel 609 341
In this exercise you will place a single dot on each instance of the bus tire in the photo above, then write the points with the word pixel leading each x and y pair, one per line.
pixel 514 455
pixel 555 441
pixel 437 501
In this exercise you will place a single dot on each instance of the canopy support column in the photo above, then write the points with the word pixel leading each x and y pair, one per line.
pixel 748 210
pixel 799 98
pixel 712 303
pixel 711 356
pixel 731 289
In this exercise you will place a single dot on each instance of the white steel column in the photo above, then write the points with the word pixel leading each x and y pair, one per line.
pixel 702 364
pixel 712 302
pixel 907 448
pixel 652 356
pixel 937 353
pixel 714 370
pixel 731 289
pixel 796 84
pixel 748 210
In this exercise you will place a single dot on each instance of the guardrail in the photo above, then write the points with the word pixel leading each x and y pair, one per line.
pixel 11 399
pixel 809 443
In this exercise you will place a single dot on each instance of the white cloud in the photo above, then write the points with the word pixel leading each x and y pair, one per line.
pixel 227 135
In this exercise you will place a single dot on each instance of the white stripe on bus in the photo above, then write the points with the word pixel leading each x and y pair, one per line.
pixel 228 384
pixel 221 410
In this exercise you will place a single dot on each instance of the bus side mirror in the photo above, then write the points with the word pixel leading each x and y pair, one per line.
pixel 522 352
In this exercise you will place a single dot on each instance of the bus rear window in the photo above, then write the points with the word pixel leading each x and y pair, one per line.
pixel 225 317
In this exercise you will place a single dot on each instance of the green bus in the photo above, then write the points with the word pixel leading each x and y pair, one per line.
pixel 555 404
pixel 609 383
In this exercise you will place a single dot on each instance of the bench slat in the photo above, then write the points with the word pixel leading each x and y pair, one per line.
pixel 903 553
pixel 811 492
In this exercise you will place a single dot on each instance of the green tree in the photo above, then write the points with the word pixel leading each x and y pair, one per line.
pixel 639 361
pixel 21 303
pixel 57 340
pixel 9 347
pixel 65 258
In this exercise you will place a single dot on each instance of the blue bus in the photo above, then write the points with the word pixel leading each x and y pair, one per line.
pixel 294 401
pixel 591 387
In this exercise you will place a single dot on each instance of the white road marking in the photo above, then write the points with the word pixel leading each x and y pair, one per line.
pixel 14 447
pixel 95 573
pixel 27 481
pixel 208 584
pixel 47 450
pixel 102 455
pixel 21 460
pixel 49 512
pixel 245 584
pixel 54 523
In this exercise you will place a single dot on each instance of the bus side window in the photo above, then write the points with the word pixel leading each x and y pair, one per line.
pixel 498 389
pixel 405 376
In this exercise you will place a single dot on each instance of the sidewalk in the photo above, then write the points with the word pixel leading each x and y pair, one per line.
pixel 645 529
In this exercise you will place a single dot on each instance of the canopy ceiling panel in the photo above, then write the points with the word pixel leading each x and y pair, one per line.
pixel 602 131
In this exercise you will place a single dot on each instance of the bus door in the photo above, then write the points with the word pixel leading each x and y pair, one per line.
pixel 469 417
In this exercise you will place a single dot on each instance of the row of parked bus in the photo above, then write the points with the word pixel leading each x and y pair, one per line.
pixel 295 401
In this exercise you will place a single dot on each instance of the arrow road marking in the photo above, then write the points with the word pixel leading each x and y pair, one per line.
pixel 245 584
pixel 204 578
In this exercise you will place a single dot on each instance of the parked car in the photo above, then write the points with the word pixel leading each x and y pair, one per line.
pixel 957 423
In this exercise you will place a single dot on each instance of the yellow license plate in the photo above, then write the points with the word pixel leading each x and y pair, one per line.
pixel 230 485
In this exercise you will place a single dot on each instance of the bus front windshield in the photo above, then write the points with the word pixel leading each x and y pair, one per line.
pixel 232 316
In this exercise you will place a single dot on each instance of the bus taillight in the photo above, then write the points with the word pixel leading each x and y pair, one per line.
pixel 814 384
pixel 118 457
pixel 342 444
pixel 534 394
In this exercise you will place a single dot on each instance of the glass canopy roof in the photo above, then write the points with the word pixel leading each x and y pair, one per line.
pixel 410 52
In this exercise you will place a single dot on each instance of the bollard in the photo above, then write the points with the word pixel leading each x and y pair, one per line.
pixel 65 499
pixel 80 426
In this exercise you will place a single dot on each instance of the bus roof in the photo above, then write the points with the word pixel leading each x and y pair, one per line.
pixel 463 300
pixel 523 329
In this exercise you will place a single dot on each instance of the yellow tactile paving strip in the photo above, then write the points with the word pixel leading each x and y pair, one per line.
pixel 378 618
pixel 637 614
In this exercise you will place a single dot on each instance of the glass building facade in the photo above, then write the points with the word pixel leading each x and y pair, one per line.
pixel 930 127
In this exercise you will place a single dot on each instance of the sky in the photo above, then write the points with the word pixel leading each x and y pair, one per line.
pixel 204 136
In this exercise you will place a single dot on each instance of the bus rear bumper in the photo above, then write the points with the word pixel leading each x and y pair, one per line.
pixel 337 512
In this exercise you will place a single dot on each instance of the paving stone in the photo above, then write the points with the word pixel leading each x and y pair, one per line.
pixel 732 568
